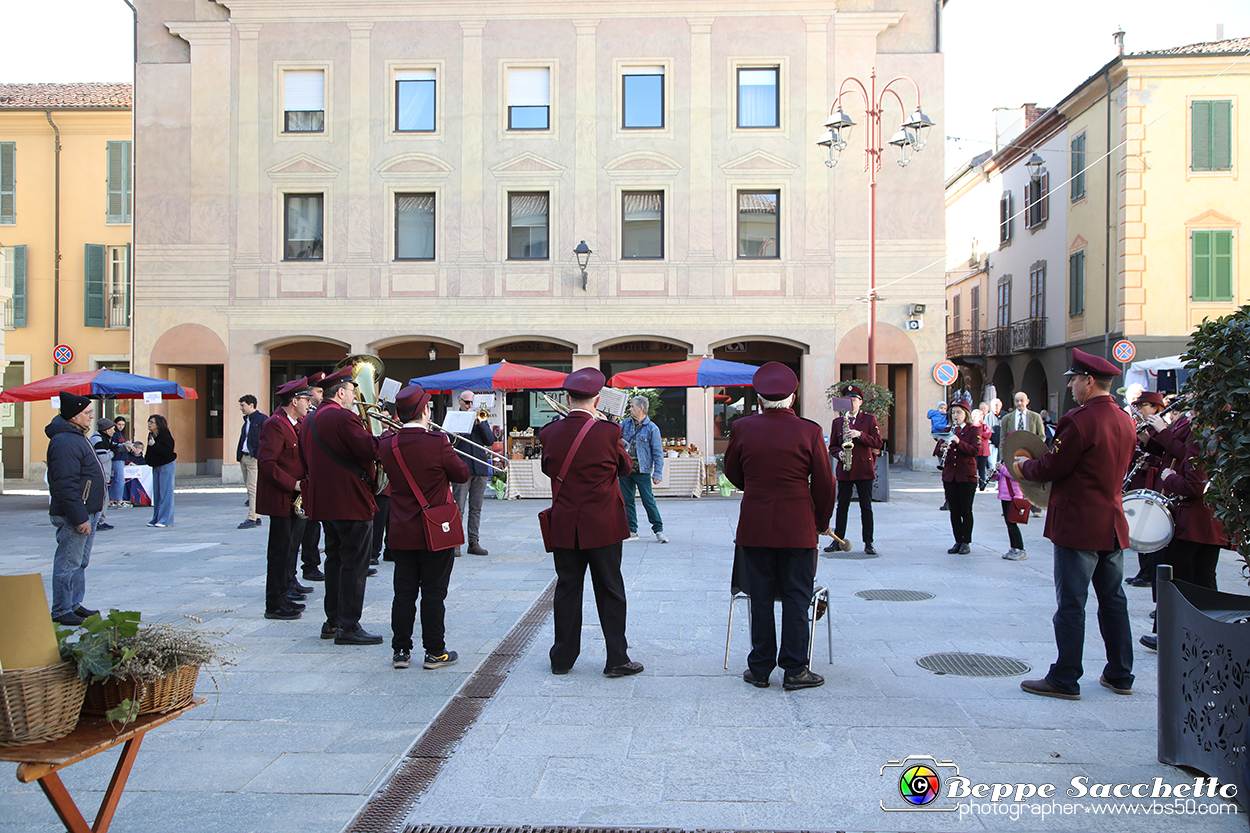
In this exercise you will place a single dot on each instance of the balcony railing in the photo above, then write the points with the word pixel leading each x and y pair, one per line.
pixel 118 312
pixel 965 343
pixel 1029 334
pixel 1017 337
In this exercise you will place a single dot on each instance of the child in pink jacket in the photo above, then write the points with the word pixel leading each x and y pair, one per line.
pixel 1008 488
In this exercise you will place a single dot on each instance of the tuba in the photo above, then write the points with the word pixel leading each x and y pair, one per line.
pixel 366 371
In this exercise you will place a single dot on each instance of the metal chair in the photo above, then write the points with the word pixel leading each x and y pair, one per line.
pixel 737 587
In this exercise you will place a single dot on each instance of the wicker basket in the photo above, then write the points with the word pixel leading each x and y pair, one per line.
pixel 39 704
pixel 164 695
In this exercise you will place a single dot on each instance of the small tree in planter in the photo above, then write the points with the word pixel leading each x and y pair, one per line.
pixel 1219 386
pixel 877 399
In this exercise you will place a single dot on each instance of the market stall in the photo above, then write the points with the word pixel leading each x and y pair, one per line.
pixel 682 477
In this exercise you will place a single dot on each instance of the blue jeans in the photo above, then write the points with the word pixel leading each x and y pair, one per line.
pixel 69 564
pixel 117 487
pixel 1074 571
pixel 163 494
pixel 643 484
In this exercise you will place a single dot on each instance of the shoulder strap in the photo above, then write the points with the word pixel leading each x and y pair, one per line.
pixel 555 484
pixel 335 456
pixel 403 466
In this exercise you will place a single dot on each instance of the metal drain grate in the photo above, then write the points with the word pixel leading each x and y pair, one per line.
pixel 849 556
pixel 474 828
pixel 894 595
pixel 973 665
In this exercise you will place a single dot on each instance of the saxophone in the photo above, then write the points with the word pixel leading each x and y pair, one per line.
pixel 848 444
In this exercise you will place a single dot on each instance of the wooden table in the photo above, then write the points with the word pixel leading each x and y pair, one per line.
pixel 40 762
pixel 683 477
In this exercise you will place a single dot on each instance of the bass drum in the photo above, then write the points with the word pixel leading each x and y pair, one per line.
pixel 1150 524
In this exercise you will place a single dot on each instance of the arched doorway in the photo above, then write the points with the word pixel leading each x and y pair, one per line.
pixel 293 359
pixel 635 352
pixel 896 369
pixel 1035 386
pixel 528 409
pixel 1004 383
pixel 730 403
pixel 412 357
pixel 193 356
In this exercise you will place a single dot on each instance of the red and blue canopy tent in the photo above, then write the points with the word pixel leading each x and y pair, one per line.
pixel 498 376
pixel 97 384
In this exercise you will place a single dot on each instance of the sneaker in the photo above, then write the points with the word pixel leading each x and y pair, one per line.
pixel 661 537
pixel 248 525
pixel 72 619
pixel 155 525
pixel 103 526
pixel 402 658
pixel 633 536
pixel 1014 554
pixel 432 661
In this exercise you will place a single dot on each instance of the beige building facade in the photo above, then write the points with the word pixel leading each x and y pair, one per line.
pixel 410 181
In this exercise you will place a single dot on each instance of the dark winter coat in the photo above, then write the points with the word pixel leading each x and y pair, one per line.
pixel 75 478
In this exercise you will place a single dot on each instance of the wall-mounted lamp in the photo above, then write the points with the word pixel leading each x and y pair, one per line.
pixel 583 253
pixel 433 352
pixel 1034 166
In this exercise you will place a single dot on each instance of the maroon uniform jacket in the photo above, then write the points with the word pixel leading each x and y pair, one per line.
pixel 333 493
pixel 433 465
pixel 779 462
pixel 279 466
pixel 588 510
pixel 961 460
pixel 1195 521
pixel 863 455
pixel 1091 455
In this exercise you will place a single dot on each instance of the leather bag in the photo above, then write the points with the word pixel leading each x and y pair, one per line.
pixel 1020 510
pixel 442 523
pixel 544 517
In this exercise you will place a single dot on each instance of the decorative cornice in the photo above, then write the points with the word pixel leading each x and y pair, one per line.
pixel 201 32
pixel 759 163
pixel 863 24
pixel 413 165
pixel 303 168
pixel 642 163
pixel 527 164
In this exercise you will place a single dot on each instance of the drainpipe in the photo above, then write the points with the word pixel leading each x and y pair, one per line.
pixel 134 78
pixel 1106 338
pixel 56 242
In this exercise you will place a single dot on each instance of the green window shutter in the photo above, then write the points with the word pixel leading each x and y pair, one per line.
pixel 1222 265
pixel 1221 135
pixel 94 302
pixel 1200 242
pixel 129 283
pixel 1200 136
pixel 1076 284
pixel 8 183
pixel 1078 167
pixel 19 286
pixel 120 194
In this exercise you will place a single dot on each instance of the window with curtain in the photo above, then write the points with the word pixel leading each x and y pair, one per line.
pixel 1004 218
pixel 974 308
pixel 955 312
pixel 527 226
pixel 1077 188
pixel 1211 269
pixel 1037 289
pixel 303 227
pixel 120 192
pixel 13 275
pixel 415 96
pixel 1211 144
pixel 529 98
pixel 1004 302
pixel 414 226
pixel 642 225
pixel 117 288
pixel 642 93
pixel 758 103
pixel 8 183
pixel 304 100
pixel 758 224
pixel 1076 283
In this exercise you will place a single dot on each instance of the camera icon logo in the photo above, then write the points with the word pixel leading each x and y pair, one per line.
pixel 919 783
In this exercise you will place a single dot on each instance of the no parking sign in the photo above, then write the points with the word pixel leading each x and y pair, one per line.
pixel 63 354
pixel 945 373
pixel 1124 351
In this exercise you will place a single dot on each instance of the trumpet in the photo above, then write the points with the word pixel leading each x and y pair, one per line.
pixel 482 415
pixel 456 439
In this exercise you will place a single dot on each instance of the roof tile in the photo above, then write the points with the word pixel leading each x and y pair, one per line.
pixel 65 96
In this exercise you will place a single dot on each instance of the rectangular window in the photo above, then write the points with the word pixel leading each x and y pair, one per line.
pixel 974 308
pixel 414 226
pixel 1076 283
pixel 13 274
pixel 529 98
pixel 120 191
pixel 758 224
pixel 1037 291
pixel 1212 269
pixel 955 312
pixel 117 289
pixel 1078 168
pixel 304 100
pixel 8 183
pixel 414 100
pixel 302 227
pixel 758 102
pixel 1004 218
pixel 528 218
pixel 642 225
pixel 1004 303
pixel 1037 201
pixel 1212 135
pixel 642 93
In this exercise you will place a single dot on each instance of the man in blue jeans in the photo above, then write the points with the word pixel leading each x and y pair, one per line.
pixel 646 450
pixel 76 487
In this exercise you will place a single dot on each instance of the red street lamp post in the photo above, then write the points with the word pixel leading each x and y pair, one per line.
pixel 911 138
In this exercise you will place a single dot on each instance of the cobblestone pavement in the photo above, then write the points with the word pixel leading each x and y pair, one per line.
pixel 301 732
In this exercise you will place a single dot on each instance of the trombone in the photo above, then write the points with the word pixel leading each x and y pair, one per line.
pixel 377 413
pixel 563 410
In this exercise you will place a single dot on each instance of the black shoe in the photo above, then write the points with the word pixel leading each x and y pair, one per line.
pixel 475 548
pixel 953 550
pixel 84 612
pixel 832 547
pixel 1105 683
pixel 293 605
pixel 360 636
pixel 964 549
pixel 72 619
pixel 748 677
pixel 296 587
pixel 247 502
pixel 1044 688
pixel 283 613
pixel 445 658
pixel 1153 613
pixel 328 631
pixel 869 549
pixel 626 670
pixel 373 571
pixel 102 525
pixel 248 525
pixel 803 679
pixel 314 575
pixel 560 672
pixel 944 508
pixel 375 560
pixel 402 658
pixel 292 596
pixel 1151 641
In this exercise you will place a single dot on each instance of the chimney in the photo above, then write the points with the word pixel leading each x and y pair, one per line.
pixel 1118 37
pixel 1219 31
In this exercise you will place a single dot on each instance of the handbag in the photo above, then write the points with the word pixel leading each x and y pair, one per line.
pixel 442 523
pixel 544 517
pixel 1020 510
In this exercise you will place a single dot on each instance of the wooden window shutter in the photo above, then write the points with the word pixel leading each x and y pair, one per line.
pixel 19 286
pixel 130 282
pixel 96 311
pixel 1200 136
pixel 1043 200
pixel 1221 135
pixel 119 190
pixel 1200 241
pixel 8 183
pixel 1222 266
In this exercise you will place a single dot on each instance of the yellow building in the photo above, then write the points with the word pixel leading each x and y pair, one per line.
pixel 65 225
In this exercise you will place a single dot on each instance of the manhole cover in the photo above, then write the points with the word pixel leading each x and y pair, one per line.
pixel 973 665
pixel 894 595
pixel 850 556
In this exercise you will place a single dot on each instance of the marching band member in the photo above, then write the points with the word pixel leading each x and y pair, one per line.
pixel 1145 474
pixel 959 473
pixel 310 550
pixel 279 470
pixel 421 568
pixel 861 429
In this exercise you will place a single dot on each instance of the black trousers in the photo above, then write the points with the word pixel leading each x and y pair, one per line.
pixel 983 468
pixel 785 573
pixel 864 490
pixel 605 576
pixel 285 532
pixel 379 523
pixel 347 568
pixel 310 557
pixel 425 573
pixel 1013 530
pixel 959 497
pixel 1190 561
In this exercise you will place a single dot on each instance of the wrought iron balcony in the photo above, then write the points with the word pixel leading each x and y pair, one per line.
pixel 1029 334
pixel 965 344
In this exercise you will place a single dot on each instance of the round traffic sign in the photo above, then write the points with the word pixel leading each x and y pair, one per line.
pixel 63 354
pixel 1124 351
pixel 945 373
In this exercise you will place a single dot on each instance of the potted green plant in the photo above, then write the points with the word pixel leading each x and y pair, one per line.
pixel 878 401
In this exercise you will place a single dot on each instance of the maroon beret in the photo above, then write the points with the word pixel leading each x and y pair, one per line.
pixel 411 399
pixel 1151 397
pixel 1084 364
pixel 964 403
pixel 293 387
pixel 344 375
pixel 585 383
pixel 852 390
pixel 775 381
pixel 314 381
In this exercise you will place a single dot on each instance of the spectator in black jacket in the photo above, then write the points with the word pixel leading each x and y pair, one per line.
pixel 76 486
pixel 160 456
pixel 469 495
pixel 102 443
pixel 249 443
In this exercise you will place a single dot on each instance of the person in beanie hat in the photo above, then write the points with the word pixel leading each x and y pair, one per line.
pixel 102 442
pixel 76 487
